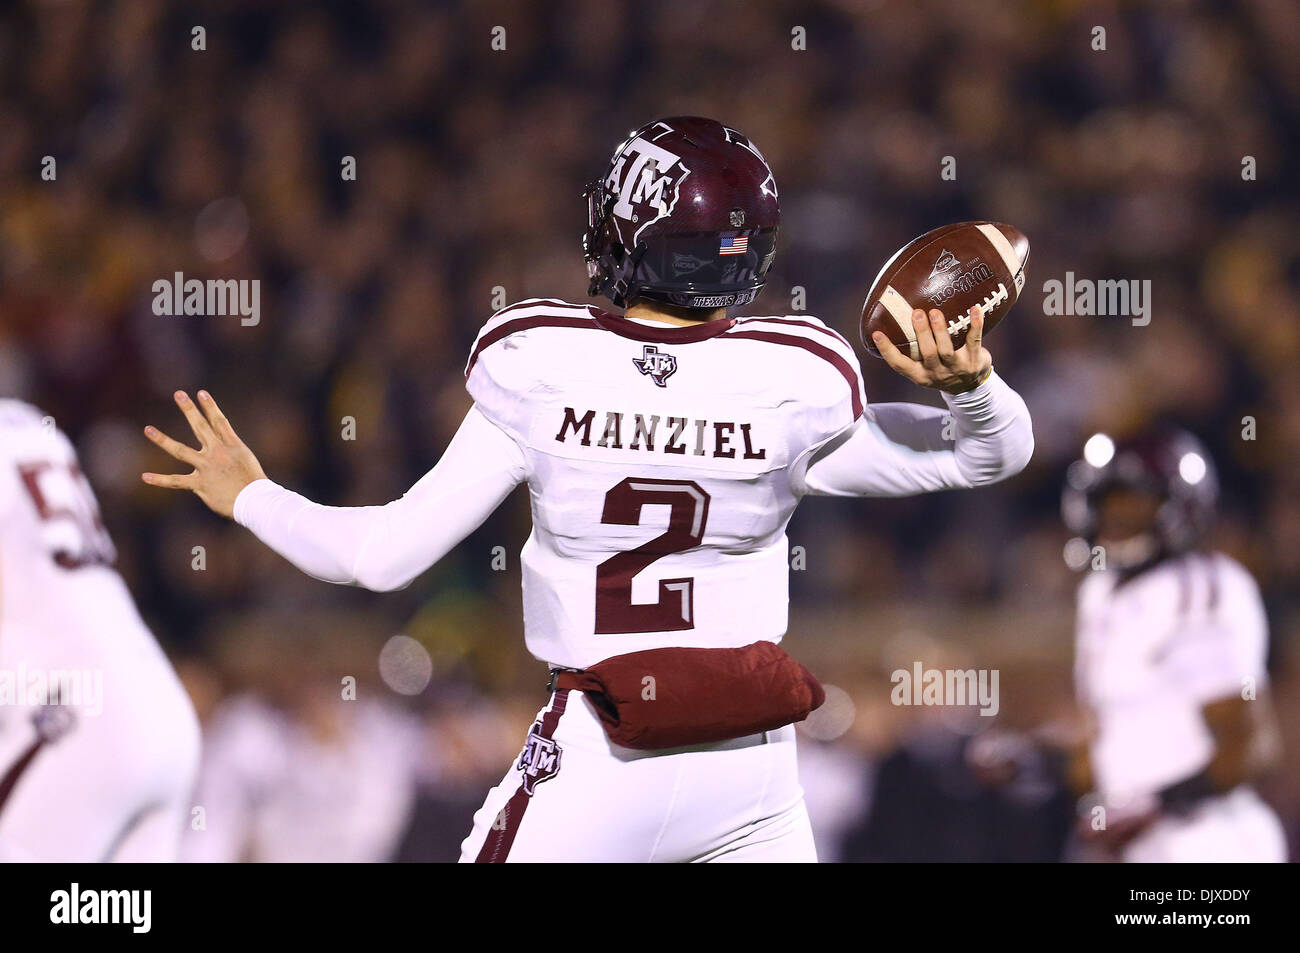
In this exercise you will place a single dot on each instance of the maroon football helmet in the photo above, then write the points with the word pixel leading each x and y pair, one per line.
pixel 686 214
pixel 1166 462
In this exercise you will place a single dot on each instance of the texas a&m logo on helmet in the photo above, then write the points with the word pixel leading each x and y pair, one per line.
pixel 645 181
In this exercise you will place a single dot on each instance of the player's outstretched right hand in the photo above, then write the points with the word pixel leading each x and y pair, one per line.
pixel 222 465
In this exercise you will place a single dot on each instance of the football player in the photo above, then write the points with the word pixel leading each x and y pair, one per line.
pixel 664 449
pixel 1170 650
pixel 99 743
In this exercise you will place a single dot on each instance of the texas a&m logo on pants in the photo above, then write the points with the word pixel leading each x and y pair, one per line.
pixel 540 759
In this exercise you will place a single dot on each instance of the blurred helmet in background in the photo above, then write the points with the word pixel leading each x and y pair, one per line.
pixel 687 214
pixel 1168 464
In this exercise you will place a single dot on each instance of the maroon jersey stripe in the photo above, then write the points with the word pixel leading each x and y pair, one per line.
pixel 496 847
pixel 830 332
pixel 523 324
pixel 536 303
pixel 15 772
pixel 825 353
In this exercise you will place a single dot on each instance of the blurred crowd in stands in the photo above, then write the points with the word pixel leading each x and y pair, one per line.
pixel 229 162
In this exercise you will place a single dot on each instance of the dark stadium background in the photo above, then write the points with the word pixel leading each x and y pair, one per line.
pixel 225 162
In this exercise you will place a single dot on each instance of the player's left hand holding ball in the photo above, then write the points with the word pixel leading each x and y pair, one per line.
pixel 941 366
pixel 222 465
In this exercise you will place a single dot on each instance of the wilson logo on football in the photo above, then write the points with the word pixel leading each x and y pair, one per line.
pixel 646 180
pixel 964 281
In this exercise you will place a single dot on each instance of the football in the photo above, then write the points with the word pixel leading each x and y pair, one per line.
pixel 952 268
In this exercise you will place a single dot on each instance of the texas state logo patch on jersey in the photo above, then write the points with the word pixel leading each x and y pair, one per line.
pixel 656 365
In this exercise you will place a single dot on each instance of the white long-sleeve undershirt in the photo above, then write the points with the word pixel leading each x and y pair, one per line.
pixel 892 450
pixel 984 436
pixel 385 547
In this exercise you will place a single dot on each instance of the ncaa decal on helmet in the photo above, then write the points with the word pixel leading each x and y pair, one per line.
pixel 686 214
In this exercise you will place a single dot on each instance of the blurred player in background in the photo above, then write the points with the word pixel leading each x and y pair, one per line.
pixel 299 781
pixel 665 450
pixel 1170 660
pixel 99 743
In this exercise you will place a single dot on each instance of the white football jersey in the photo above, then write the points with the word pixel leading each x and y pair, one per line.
pixel 660 463
pixel 55 555
pixel 1152 652
pixel 115 783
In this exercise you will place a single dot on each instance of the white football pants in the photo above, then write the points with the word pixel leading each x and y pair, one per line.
pixel 573 795
pixel 1235 828
pixel 116 784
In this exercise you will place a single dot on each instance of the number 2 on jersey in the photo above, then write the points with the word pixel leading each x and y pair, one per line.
pixel 688 513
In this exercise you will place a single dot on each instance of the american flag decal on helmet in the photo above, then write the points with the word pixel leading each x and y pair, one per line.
pixel 734 246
